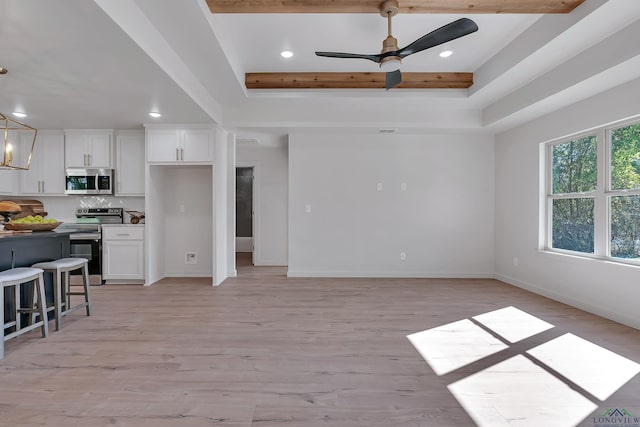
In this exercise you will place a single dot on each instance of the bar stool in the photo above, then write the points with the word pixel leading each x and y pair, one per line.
pixel 62 286
pixel 17 277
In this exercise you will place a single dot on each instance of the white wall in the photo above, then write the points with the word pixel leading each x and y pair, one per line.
pixel 608 289
pixel 188 223
pixel 270 189
pixel 221 223
pixel 231 205
pixel 155 240
pixel 444 221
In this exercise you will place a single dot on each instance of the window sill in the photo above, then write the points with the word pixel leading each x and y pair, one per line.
pixel 580 259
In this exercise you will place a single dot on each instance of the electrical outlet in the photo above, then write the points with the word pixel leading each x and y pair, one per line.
pixel 403 256
pixel 191 258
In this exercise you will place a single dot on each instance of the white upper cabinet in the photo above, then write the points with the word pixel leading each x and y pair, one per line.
pixel 180 144
pixel 46 174
pixel 8 180
pixel 88 149
pixel 197 145
pixel 130 163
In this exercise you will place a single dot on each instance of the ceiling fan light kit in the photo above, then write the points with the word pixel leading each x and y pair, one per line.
pixel 390 58
pixel 390 63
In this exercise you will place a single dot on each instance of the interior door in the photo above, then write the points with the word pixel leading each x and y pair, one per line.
pixel 244 210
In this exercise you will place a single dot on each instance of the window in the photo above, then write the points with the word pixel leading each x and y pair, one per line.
pixel 593 194
pixel 624 210
pixel 574 179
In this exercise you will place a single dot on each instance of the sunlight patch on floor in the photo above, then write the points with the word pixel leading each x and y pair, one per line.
pixel 597 370
pixel 513 324
pixel 517 392
pixel 450 347
pixel 555 383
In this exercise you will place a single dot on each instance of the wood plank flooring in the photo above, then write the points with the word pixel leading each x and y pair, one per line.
pixel 265 350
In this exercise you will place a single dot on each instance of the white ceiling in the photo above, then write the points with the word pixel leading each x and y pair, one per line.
pixel 71 66
pixel 107 63
pixel 255 41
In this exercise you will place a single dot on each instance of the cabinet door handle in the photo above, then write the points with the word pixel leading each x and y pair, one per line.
pixel 177 154
pixel 122 234
pixel 90 160
pixel 181 154
pixel 43 186
pixel 39 191
pixel 85 160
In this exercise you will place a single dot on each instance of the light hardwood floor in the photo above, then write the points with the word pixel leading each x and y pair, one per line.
pixel 264 350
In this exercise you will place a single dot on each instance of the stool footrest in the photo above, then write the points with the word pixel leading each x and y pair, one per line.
pixel 38 324
pixel 9 324
pixel 74 308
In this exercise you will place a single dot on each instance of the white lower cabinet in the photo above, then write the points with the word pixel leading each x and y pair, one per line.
pixel 123 252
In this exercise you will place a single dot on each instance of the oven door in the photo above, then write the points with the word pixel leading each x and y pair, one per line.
pixel 89 246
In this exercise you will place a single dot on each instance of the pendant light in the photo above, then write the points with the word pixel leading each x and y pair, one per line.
pixel 18 142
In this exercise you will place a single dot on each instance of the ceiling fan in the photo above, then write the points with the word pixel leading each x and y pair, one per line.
pixel 390 58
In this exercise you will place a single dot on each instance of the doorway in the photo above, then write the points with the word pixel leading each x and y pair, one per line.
pixel 244 214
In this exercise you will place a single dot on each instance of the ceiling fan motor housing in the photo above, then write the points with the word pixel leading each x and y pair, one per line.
pixel 390 63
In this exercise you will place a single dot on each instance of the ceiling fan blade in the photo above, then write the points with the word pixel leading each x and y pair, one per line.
pixel 374 58
pixel 449 32
pixel 393 78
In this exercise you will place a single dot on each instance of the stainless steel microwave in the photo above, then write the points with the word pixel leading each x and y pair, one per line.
pixel 89 181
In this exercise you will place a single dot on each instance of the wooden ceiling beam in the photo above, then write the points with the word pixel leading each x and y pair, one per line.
pixel 356 80
pixel 406 6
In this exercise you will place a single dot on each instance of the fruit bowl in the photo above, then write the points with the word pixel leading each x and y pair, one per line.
pixel 34 226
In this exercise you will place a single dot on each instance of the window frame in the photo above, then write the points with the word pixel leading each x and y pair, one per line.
pixel 602 194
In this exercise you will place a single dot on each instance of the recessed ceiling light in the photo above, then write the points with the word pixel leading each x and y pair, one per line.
pixel 286 54
pixel 446 53
pixel 155 114
pixel 19 114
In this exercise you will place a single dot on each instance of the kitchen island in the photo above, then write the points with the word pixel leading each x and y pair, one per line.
pixel 26 249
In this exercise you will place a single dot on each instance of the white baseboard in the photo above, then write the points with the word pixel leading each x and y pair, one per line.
pixel 124 282
pixel 391 274
pixel 574 302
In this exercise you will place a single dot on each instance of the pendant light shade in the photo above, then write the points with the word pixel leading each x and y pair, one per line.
pixel 18 142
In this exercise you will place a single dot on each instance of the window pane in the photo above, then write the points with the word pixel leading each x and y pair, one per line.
pixel 625 226
pixel 625 158
pixel 573 224
pixel 575 166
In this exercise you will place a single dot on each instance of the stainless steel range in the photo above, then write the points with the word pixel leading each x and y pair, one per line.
pixel 87 243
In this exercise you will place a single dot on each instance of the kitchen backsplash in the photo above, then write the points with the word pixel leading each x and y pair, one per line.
pixel 63 208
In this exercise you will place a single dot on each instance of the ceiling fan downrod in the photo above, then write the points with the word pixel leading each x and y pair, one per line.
pixel 388 9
